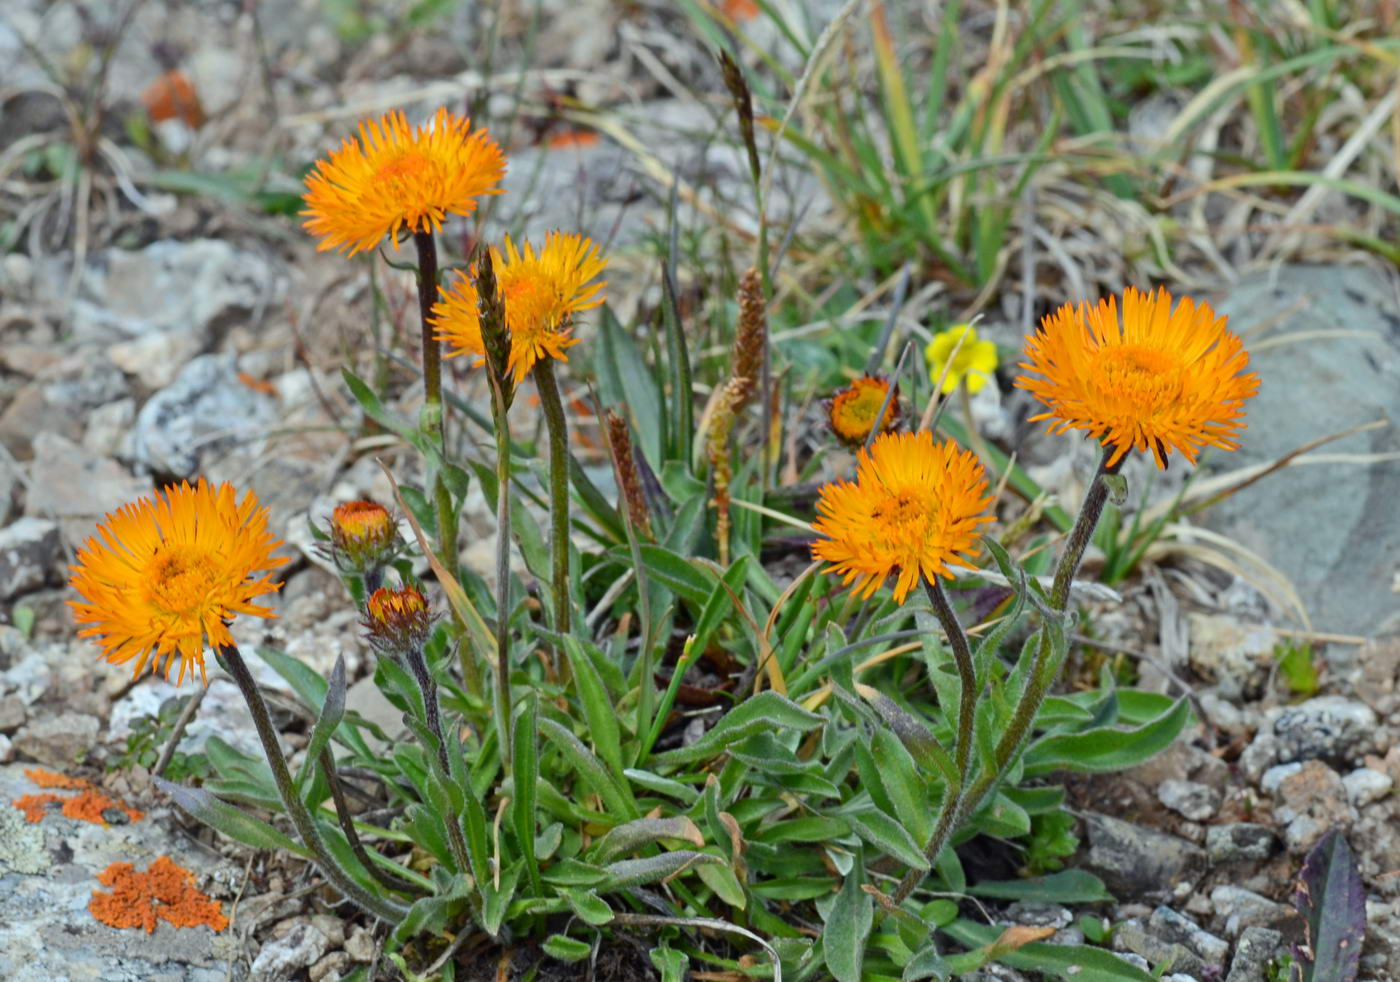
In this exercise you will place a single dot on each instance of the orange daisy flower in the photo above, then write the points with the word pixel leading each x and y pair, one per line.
pixel 852 410
pixel 170 572
pixel 1161 379
pixel 399 177
pixel 541 292
pixel 912 511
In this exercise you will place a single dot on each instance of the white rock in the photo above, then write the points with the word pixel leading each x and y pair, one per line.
pixel 1274 776
pixel 1365 785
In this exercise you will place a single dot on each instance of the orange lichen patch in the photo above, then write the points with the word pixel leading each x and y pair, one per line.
pixel 52 779
pixel 573 138
pixel 740 10
pixel 34 805
pixel 164 892
pixel 90 805
pixel 172 96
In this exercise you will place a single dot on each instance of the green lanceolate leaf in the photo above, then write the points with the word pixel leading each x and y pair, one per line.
pixel 223 817
pixel 597 706
pixel 331 712
pixel 589 906
pixel 1072 963
pixel 641 832
pixel 887 835
pixel 1332 900
pixel 615 795
pixel 527 774
pixel 848 925
pixel 565 948
pixel 766 711
pixel 1072 886
pixel 634 872
pixel 1108 748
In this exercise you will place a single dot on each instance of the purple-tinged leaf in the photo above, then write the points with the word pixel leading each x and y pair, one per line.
pixel 1330 896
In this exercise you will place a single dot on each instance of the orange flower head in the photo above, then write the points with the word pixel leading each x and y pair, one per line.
pixel 541 292
pixel 912 511
pixel 1159 379
pixel 396 177
pixel 169 572
pixel 852 410
pixel 398 620
pixel 363 534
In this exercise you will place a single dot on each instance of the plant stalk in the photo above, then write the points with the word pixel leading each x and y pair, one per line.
pixel 433 713
pixel 557 425
pixel 503 531
pixel 967 676
pixel 347 826
pixel 1082 532
pixel 383 907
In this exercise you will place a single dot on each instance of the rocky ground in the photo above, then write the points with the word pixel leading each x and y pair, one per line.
pixel 166 335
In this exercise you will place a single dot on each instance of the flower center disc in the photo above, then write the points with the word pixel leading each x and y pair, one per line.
pixel 181 579
pixel 1147 376
pixel 403 171
pixel 903 520
pixel 529 302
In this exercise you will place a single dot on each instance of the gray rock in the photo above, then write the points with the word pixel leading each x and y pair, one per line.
pixel 207 410
pixel 31 553
pixel 1256 948
pixel 7 749
pixel 1330 728
pixel 1260 755
pixel 1198 802
pixel 1132 936
pixel 1309 803
pixel 21 844
pixel 10 484
pixel 107 427
pixel 1331 531
pixel 1168 925
pixel 360 945
pixel 296 944
pixel 12 713
pixel 160 306
pixel 1273 777
pixel 1237 909
pixel 1140 862
pixel 46 932
pixel 70 485
pixel 58 741
pixel 331 966
pixel 1238 841
pixel 1365 785
pixel 1233 655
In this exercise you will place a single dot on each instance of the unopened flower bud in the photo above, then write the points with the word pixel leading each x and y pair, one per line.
pixel 363 535
pixel 398 620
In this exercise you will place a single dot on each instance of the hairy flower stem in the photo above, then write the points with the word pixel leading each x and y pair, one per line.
pixel 503 699
pixel 955 803
pixel 434 421
pixel 347 826
pixel 383 907
pixel 967 676
pixel 1083 532
pixel 433 713
pixel 557 425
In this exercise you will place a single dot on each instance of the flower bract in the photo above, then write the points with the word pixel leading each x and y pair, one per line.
pixel 363 534
pixel 397 619
pixel 541 291
pixel 395 177
pixel 973 364
pixel 166 574
pixel 913 511
pixel 1159 379
pixel 852 411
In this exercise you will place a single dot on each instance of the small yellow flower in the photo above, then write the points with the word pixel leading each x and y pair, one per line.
pixel 912 511
pixel 1159 380
pixel 975 361
pixel 541 292
pixel 170 572
pixel 852 410
pixel 395 177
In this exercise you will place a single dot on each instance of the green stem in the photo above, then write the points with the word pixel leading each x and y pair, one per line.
pixel 347 826
pixel 1083 532
pixel 949 818
pixel 967 677
pixel 434 421
pixel 383 907
pixel 504 724
pixel 432 711
pixel 558 428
